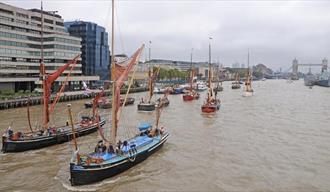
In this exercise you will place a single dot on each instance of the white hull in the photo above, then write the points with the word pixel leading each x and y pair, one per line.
pixel 247 94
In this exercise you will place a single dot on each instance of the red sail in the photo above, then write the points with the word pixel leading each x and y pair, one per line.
pixel 119 69
pixel 123 77
pixel 47 84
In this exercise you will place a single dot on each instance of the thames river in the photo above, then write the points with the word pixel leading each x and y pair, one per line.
pixel 277 140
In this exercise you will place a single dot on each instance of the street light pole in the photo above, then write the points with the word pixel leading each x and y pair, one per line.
pixel 210 38
pixel 149 50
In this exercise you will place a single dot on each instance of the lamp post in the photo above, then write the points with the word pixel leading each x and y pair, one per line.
pixel 149 50
pixel 210 38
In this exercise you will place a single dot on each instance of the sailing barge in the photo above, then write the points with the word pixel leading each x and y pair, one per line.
pixel 36 139
pixel 116 157
pixel 191 94
pixel 149 105
pixel 212 104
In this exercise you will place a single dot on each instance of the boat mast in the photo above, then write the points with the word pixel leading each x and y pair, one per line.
pixel 45 114
pixel 209 83
pixel 248 75
pixel 151 70
pixel 73 133
pixel 150 85
pixel 112 73
pixel 191 70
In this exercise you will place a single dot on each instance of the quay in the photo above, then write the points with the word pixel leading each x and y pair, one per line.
pixel 66 96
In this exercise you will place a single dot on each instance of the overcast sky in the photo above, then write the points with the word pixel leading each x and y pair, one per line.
pixel 275 31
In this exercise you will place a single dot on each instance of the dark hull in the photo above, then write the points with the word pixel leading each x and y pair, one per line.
pixel 108 104
pixel 218 89
pixel 323 83
pixel 95 174
pixel 235 87
pixel 88 105
pixel 45 141
pixel 146 107
pixel 129 101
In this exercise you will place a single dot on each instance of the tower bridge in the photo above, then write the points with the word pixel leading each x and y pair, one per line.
pixel 296 65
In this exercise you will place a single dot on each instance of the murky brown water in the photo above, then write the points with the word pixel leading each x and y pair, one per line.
pixel 277 140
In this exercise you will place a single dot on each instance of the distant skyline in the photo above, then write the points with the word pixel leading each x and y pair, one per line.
pixel 276 32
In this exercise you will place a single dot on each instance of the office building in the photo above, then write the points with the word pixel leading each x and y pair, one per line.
pixel 95 47
pixel 20 49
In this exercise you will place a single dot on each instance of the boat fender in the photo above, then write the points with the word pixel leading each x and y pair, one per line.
pixel 132 155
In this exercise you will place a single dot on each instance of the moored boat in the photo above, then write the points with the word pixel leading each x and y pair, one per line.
pixel 236 84
pixel 149 105
pixel 200 86
pixel 177 89
pixel 158 90
pixel 323 79
pixel 164 100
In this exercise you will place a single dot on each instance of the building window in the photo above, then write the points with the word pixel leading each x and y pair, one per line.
pixel 22 15
pixel 48 21
pixel 59 23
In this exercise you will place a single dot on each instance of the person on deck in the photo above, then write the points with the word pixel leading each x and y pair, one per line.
pixel 100 147
pixel 111 150
pixel 10 132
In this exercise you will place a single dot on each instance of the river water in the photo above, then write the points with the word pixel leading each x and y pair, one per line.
pixel 277 140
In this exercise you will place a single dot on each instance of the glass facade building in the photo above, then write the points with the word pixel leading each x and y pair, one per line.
pixel 20 49
pixel 95 47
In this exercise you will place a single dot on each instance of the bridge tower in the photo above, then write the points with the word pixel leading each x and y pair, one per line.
pixel 295 69
pixel 324 65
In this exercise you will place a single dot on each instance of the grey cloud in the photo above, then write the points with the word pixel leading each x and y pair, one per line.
pixel 274 31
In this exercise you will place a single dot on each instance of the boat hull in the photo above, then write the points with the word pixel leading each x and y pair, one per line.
pixel 247 94
pixel 207 108
pixel 177 91
pixel 108 104
pixel 219 89
pixel 188 97
pixel 88 105
pixel 235 86
pixel 146 107
pixel 9 146
pixel 84 176
pixel 323 83
pixel 129 101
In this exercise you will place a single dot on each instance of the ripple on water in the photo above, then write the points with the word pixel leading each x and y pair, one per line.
pixel 276 140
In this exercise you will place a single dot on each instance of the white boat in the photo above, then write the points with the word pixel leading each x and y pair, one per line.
pixel 159 90
pixel 247 93
pixel 200 86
